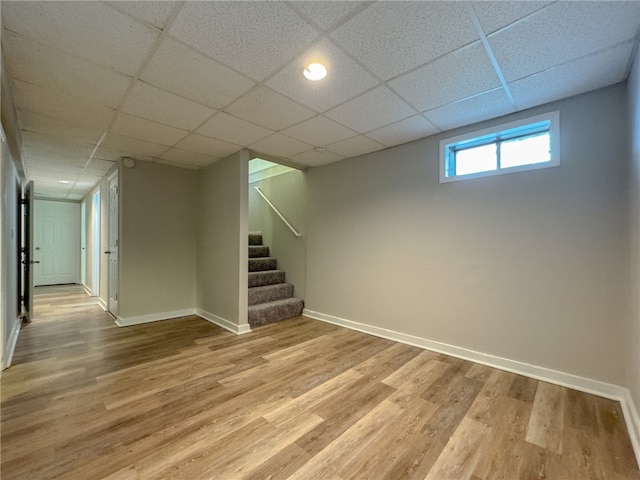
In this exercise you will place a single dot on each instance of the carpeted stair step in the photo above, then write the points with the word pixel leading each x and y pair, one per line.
pixel 255 239
pixel 262 264
pixel 270 277
pixel 256 251
pixel 275 311
pixel 269 293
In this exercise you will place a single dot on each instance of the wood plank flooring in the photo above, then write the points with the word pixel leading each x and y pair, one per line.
pixel 301 399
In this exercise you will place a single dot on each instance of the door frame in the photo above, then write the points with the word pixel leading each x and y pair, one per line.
pixel 83 243
pixel 96 255
pixel 27 252
pixel 113 228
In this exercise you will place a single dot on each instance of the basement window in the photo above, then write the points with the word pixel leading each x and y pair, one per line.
pixel 527 144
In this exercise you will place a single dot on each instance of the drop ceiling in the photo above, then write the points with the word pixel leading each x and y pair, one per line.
pixel 186 84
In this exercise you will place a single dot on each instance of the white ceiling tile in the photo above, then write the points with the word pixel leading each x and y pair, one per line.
pixel 53 157
pixel 103 165
pixel 131 147
pixel 494 15
pixel 147 130
pixel 107 154
pixel 255 38
pixel 96 172
pixel 184 157
pixel 562 32
pixel 471 110
pixel 35 63
pixel 573 78
pixel 233 129
pixel 269 109
pixel 404 131
pixel 313 158
pixel 371 110
pixel 90 30
pixel 87 180
pixel 190 74
pixel 154 104
pixel 207 146
pixel 66 107
pixel 280 145
pixel 352 147
pixel 112 154
pixel 327 14
pixel 34 122
pixel 391 38
pixel 432 86
pixel 171 163
pixel 345 78
pixel 33 140
pixel 156 13
pixel 319 131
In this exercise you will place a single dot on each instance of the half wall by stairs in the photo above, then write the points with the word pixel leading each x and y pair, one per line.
pixel 270 298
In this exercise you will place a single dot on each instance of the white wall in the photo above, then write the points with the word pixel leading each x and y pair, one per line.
pixel 632 335
pixel 288 192
pixel 527 266
pixel 103 266
pixel 10 190
pixel 222 242
pixel 157 240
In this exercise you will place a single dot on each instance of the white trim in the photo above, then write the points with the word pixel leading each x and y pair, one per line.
pixel 633 422
pixel 102 304
pixel 8 349
pixel 87 290
pixel 223 322
pixel 153 317
pixel 554 131
pixel 588 385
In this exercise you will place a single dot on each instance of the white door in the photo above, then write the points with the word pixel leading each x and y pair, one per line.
pixel 83 243
pixel 56 239
pixel 113 245
pixel 96 254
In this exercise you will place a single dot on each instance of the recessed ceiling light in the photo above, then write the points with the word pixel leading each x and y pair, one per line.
pixel 64 181
pixel 315 71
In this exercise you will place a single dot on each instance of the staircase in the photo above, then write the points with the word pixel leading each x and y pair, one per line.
pixel 270 298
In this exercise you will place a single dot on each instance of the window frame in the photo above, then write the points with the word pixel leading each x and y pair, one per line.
pixel 500 133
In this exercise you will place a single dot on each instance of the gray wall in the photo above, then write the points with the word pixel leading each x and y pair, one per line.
pixel 288 192
pixel 157 239
pixel 632 359
pixel 527 266
pixel 222 239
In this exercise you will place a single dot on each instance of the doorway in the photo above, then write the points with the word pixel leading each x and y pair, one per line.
pixel 112 251
pixel 57 242
pixel 83 244
pixel 95 245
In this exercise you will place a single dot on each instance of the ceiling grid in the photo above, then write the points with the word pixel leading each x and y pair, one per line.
pixel 186 84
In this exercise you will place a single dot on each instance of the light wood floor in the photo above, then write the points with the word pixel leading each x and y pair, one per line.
pixel 301 399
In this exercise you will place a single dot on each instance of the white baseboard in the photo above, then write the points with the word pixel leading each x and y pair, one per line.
pixel 223 322
pixel 153 317
pixel 87 290
pixel 633 422
pixel 10 347
pixel 596 387
pixel 102 304
pixel 210 317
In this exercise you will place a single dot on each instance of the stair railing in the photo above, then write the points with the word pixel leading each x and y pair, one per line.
pixel 293 230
